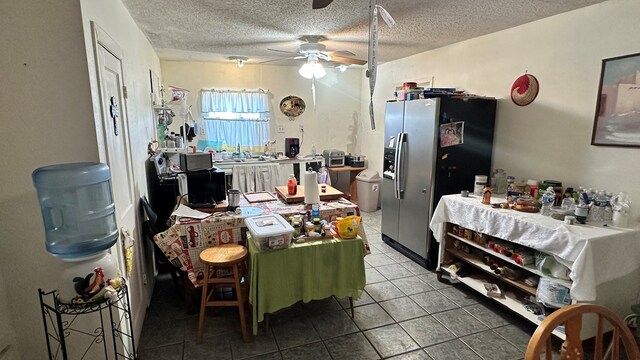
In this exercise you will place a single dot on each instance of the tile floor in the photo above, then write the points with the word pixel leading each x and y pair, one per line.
pixel 404 313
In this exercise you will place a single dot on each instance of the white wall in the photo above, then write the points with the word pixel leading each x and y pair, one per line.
pixel 549 139
pixel 139 58
pixel 332 125
pixel 48 117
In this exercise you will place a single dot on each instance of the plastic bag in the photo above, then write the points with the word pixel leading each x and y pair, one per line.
pixel 550 266
pixel 551 294
pixel 348 227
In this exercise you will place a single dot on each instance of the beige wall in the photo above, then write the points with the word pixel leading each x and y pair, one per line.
pixel 48 110
pixel 549 139
pixel 332 125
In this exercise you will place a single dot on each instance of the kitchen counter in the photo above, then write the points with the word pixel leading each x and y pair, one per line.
pixel 227 165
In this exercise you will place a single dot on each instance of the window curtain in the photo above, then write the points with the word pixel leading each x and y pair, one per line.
pixel 234 101
pixel 248 124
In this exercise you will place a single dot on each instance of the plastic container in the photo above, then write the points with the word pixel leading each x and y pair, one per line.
pixel 499 181
pixel 368 186
pixel 77 208
pixel 478 184
pixel 270 232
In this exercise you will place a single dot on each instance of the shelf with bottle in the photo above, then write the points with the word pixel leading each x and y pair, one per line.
pixel 505 258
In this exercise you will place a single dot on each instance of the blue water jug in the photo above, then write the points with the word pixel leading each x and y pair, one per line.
pixel 77 208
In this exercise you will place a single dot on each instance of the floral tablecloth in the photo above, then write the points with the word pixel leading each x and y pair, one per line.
pixel 186 238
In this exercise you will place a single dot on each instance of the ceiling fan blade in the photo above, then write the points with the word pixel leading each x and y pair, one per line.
pixel 299 57
pixel 346 60
pixel 274 60
pixel 341 53
pixel 284 51
pixel 319 4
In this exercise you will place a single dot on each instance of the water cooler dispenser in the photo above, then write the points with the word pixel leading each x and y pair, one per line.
pixel 80 226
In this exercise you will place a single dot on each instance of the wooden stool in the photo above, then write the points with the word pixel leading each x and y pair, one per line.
pixel 226 256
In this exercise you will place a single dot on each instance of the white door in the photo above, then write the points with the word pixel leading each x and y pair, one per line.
pixel 115 146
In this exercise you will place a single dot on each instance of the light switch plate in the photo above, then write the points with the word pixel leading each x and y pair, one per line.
pixel 281 129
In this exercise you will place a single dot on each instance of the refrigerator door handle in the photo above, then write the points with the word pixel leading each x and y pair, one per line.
pixel 396 188
pixel 399 169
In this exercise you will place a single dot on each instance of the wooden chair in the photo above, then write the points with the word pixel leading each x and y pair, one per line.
pixel 231 257
pixel 571 317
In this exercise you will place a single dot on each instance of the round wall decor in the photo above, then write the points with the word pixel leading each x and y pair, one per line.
pixel 292 106
pixel 524 90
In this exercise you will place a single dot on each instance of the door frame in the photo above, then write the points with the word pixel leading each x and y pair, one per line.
pixel 101 38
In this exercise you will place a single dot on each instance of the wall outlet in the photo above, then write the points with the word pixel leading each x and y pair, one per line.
pixel 301 128
pixel 280 129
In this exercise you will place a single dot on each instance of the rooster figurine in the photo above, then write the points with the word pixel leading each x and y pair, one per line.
pixel 87 287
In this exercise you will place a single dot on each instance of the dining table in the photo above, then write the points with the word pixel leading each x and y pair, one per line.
pixel 183 241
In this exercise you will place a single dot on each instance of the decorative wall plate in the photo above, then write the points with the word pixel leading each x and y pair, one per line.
pixel 292 106
pixel 524 90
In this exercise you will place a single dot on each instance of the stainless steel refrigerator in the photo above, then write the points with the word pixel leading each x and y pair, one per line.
pixel 433 147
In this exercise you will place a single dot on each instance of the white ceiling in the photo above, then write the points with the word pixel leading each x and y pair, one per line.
pixel 212 30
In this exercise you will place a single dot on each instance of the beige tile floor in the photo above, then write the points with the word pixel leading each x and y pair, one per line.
pixel 404 313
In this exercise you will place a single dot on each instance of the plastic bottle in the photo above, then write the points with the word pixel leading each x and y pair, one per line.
pixel 77 209
pixel 315 211
pixel 548 198
pixel 597 210
pixel 292 185
pixel 608 210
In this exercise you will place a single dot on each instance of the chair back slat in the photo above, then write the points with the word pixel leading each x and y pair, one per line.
pixel 571 317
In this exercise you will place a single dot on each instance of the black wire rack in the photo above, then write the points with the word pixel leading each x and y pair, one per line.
pixel 78 331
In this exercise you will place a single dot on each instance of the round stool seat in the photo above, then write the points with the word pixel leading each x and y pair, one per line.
pixel 224 254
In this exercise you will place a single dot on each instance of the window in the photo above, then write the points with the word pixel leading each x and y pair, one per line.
pixel 235 117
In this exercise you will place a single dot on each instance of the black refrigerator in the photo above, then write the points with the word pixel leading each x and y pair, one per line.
pixel 433 147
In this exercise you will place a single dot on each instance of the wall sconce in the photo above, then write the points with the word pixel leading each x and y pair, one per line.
pixel 240 60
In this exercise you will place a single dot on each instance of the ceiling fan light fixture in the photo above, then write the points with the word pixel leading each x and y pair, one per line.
pixel 312 69
pixel 342 67
pixel 240 60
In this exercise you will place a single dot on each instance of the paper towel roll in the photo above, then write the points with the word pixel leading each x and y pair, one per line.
pixel 311 194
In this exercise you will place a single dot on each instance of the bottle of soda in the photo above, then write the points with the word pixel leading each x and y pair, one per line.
pixel 292 185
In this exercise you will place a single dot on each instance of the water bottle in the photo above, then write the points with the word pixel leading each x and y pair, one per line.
pixel 608 210
pixel 548 198
pixel 598 208
pixel 77 209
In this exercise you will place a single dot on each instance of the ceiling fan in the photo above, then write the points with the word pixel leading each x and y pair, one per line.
pixel 314 51
pixel 319 4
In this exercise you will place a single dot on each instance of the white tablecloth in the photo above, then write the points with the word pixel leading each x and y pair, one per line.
pixel 595 254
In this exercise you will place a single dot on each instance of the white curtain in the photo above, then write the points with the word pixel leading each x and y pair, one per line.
pixel 245 121
pixel 249 178
pixel 232 132
pixel 234 101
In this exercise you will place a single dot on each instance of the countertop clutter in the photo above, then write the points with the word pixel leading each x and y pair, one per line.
pixel 524 254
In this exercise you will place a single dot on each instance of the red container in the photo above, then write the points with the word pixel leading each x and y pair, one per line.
pixel 409 85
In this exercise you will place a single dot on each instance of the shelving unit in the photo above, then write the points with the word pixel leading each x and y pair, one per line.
pixel 507 259
pixel 514 291
pixel 80 331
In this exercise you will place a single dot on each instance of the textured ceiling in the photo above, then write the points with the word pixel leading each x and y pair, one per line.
pixel 211 30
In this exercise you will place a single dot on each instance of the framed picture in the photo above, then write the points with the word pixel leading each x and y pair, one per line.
pixel 452 134
pixel 617 118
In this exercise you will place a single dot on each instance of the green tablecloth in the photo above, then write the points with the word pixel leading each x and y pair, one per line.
pixel 307 271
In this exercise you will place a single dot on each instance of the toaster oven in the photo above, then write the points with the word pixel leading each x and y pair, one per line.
pixel 333 158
